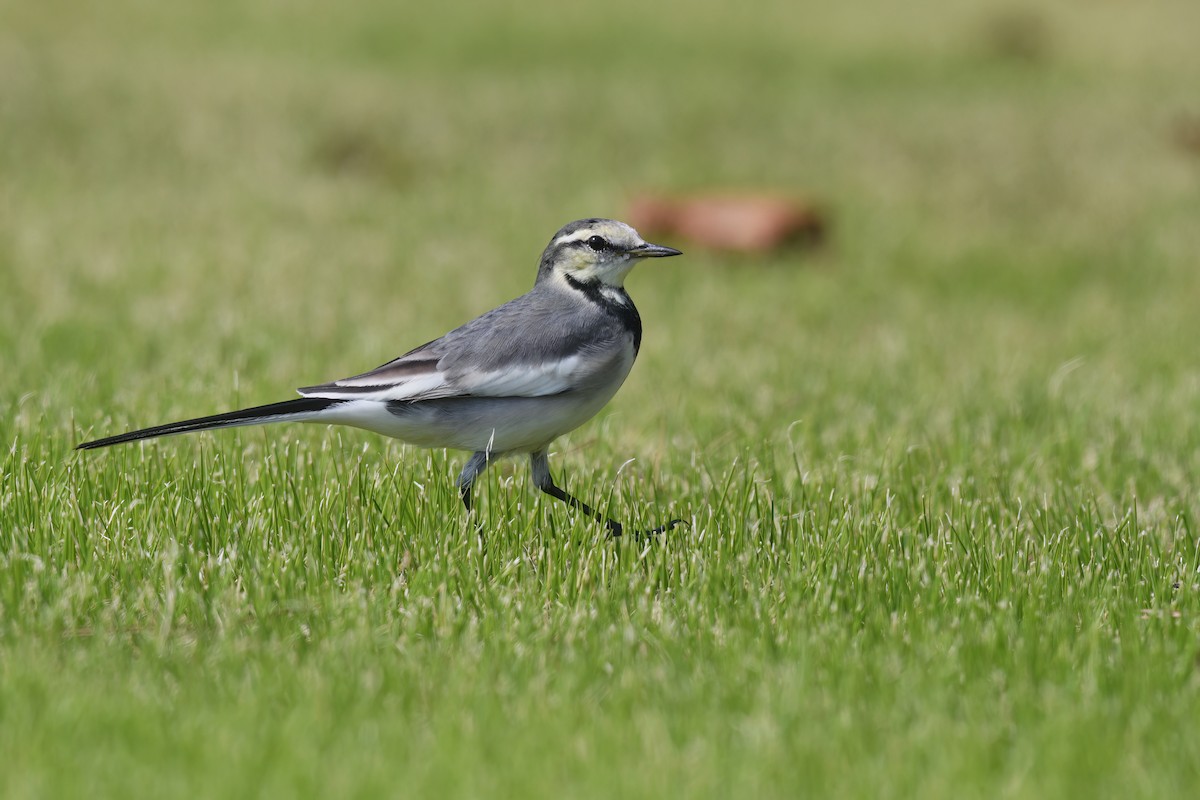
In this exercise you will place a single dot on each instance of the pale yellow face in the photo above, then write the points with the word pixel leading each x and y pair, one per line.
pixel 598 252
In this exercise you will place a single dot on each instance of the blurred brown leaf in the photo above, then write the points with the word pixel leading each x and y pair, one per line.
pixel 733 221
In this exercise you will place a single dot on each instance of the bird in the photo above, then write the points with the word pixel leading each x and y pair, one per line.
pixel 508 382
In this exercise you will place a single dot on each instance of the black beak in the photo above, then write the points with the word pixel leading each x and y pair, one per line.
pixel 647 250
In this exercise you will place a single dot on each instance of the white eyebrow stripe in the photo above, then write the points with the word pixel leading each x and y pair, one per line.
pixel 577 236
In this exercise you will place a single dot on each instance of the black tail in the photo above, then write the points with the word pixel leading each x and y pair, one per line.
pixel 247 416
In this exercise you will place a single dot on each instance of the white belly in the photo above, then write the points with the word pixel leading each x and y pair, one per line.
pixel 476 424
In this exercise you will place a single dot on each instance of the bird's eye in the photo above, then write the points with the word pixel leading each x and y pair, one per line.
pixel 598 243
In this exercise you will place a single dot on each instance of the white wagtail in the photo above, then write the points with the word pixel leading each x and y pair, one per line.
pixel 510 381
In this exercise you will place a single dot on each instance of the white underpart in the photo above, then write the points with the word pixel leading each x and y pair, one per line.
pixel 498 424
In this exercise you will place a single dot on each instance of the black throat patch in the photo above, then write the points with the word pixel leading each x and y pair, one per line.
pixel 623 309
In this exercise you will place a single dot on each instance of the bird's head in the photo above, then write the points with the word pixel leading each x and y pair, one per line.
pixel 597 251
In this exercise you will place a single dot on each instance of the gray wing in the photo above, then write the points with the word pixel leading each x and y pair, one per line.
pixel 530 347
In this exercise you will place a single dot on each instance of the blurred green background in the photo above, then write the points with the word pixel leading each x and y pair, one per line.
pixel 998 178
pixel 941 471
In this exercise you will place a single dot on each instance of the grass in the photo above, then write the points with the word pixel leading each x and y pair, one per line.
pixel 941 475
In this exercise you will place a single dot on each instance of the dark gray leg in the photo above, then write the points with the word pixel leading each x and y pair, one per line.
pixel 471 470
pixel 539 465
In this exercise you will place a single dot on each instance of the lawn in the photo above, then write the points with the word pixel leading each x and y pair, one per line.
pixel 941 473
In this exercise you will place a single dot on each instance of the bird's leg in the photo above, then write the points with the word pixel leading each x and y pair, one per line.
pixel 474 467
pixel 539 465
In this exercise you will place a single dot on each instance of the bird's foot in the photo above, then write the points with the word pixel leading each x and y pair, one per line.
pixel 616 530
